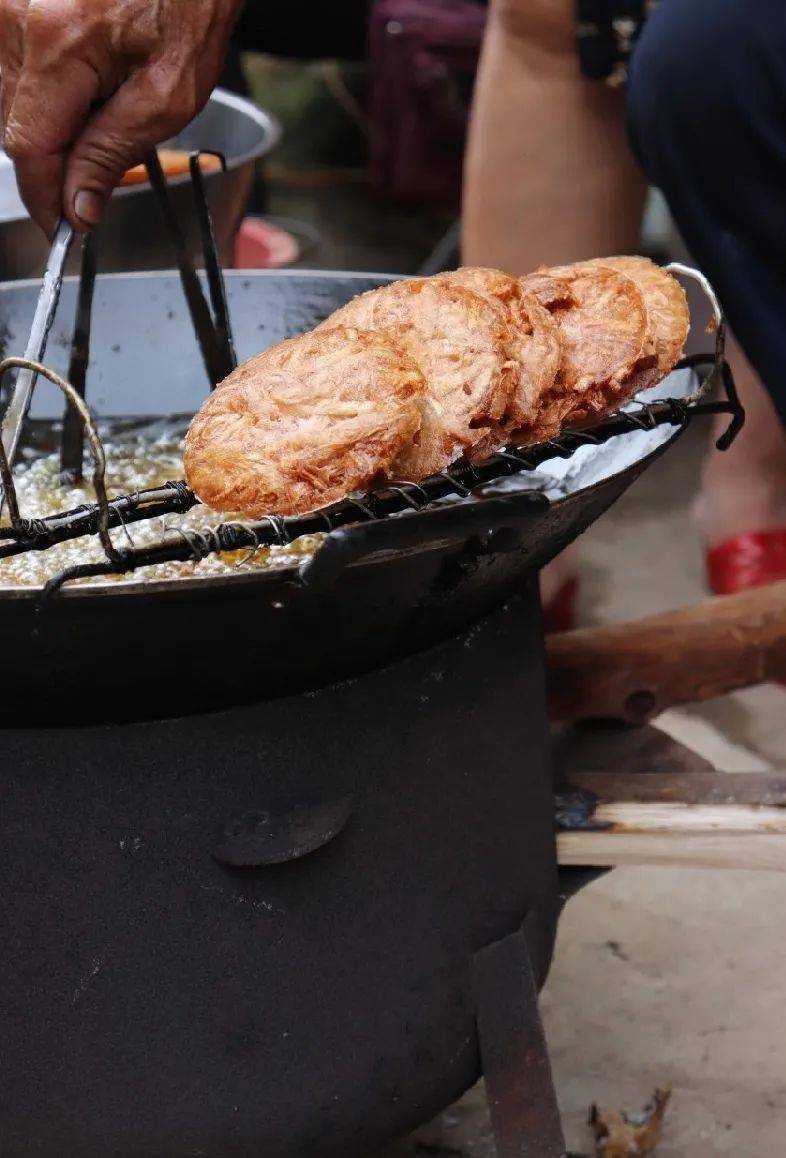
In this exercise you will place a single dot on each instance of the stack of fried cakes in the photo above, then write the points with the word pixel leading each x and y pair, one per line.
pixel 406 379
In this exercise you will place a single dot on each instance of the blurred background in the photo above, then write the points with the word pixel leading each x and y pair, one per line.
pixel 362 192
pixel 678 969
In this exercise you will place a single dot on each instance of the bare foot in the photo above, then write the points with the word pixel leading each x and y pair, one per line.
pixel 744 489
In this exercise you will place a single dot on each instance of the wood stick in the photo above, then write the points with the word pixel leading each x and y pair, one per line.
pixel 626 817
pixel 696 850
pixel 636 796
pixel 634 671
pixel 642 820
pixel 722 790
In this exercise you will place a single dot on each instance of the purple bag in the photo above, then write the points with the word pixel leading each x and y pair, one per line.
pixel 424 58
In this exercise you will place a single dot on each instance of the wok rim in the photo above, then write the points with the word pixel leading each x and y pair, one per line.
pixel 229 274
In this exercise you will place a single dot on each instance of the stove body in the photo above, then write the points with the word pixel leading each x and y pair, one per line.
pixel 166 992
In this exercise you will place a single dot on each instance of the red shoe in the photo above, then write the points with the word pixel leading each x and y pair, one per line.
pixel 559 614
pixel 744 561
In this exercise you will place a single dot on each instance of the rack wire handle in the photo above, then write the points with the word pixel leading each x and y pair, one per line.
pixel 96 447
pixel 721 375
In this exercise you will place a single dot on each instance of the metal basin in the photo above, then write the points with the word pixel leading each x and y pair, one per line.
pixel 132 236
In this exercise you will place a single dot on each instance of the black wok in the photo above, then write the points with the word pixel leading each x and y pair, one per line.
pixel 372 594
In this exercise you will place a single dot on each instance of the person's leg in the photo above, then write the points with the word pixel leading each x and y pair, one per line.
pixel 707 116
pixel 707 113
pixel 744 489
pixel 549 173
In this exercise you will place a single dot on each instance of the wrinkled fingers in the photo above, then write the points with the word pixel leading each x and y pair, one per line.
pixel 13 16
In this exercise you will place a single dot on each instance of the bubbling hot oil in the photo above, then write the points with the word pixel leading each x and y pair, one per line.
pixel 135 463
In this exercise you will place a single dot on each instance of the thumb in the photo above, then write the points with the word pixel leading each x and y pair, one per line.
pixel 119 135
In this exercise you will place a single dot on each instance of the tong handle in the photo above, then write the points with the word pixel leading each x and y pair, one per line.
pixel 22 394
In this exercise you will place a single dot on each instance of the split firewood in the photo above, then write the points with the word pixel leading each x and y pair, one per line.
pixel 618 1135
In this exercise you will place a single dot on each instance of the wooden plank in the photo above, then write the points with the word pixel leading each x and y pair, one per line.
pixel 711 850
pixel 641 798
pixel 633 671
pixel 721 789
pixel 677 818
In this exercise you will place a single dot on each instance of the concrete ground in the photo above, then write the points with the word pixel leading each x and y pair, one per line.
pixel 665 975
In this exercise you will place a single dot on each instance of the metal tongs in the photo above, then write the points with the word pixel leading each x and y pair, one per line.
pixel 212 326
pixel 22 394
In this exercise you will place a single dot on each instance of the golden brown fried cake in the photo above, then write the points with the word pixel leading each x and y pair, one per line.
pixel 668 315
pixel 304 424
pixel 458 341
pixel 533 345
pixel 603 327
pixel 552 292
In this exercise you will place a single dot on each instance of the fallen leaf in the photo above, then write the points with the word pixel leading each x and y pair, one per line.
pixel 618 1135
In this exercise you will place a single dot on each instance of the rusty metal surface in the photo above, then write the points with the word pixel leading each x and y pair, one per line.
pixel 522 1100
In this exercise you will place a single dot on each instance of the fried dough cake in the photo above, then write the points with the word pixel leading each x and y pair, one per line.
pixel 668 316
pixel 305 423
pixel 603 326
pixel 534 343
pixel 459 342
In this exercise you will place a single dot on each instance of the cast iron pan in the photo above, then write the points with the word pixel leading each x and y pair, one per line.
pixel 373 593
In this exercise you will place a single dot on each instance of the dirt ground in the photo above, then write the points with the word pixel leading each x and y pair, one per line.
pixel 665 975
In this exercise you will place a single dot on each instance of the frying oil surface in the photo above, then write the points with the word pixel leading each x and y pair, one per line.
pixel 133 463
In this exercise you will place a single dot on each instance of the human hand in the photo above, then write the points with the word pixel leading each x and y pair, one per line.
pixel 89 87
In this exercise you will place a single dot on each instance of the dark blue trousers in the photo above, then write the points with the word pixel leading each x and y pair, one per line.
pixel 707 109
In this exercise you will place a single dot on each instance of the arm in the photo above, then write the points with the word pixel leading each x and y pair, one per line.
pixel 90 86
pixel 549 175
